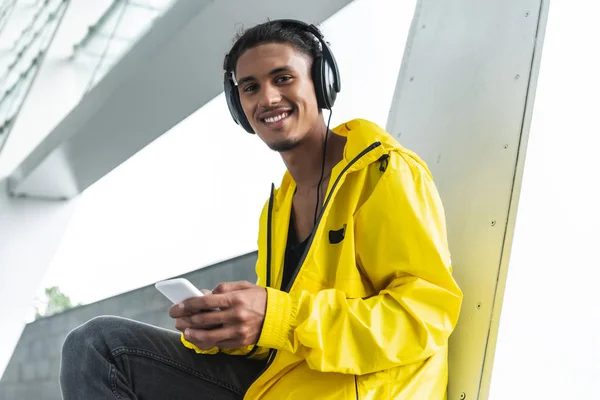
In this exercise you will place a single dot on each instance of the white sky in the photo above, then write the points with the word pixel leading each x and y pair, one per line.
pixel 549 339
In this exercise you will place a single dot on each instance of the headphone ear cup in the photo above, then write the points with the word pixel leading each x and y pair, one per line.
pixel 324 79
pixel 235 105
pixel 317 77
pixel 329 82
pixel 243 121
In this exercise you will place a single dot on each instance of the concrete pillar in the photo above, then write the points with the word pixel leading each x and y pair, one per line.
pixel 30 233
pixel 463 102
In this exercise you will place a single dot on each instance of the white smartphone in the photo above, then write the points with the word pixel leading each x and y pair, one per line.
pixel 178 289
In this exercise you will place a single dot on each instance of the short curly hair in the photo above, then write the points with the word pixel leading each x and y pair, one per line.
pixel 272 32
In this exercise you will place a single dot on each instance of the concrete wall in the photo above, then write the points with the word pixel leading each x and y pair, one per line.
pixel 33 370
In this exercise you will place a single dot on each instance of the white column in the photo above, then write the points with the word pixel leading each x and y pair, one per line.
pixel 463 102
pixel 30 232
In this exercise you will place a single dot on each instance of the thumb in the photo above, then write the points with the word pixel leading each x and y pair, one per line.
pixel 227 287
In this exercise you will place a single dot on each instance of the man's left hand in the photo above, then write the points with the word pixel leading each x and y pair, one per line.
pixel 239 312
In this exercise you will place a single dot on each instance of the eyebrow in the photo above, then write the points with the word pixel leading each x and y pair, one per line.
pixel 276 71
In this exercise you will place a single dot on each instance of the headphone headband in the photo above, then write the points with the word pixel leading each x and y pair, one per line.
pixel 327 53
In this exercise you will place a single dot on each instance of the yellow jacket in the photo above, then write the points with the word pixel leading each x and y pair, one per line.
pixel 369 312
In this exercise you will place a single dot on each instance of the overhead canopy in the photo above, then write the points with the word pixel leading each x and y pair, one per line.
pixel 171 72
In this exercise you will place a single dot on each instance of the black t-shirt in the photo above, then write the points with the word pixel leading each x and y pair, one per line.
pixel 293 252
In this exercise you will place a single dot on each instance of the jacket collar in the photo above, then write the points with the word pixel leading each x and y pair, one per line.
pixel 360 134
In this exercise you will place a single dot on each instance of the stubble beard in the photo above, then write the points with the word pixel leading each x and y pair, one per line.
pixel 284 145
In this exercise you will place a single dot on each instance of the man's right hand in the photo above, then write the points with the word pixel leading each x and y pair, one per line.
pixel 185 319
pixel 229 318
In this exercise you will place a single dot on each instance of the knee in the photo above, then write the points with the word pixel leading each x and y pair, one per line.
pixel 82 347
pixel 88 336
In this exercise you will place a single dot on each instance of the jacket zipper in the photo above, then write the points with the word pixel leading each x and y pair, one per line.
pixel 273 352
pixel 268 271
pixel 269 233
pixel 356 386
pixel 312 235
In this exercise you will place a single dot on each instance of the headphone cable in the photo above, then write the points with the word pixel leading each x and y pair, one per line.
pixel 322 169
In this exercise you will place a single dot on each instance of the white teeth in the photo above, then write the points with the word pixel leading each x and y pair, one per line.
pixel 276 118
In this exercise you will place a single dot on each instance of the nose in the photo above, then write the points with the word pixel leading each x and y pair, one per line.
pixel 269 96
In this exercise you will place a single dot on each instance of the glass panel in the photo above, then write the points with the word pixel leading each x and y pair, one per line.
pixel 23 59
pixel 115 31
pixel 6 9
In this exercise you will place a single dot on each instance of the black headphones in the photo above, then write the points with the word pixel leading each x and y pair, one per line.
pixel 325 76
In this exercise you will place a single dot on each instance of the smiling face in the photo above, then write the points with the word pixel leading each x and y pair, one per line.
pixel 278 95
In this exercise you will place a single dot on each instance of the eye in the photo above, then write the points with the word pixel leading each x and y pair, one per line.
pixel 283 79
pixel 249 88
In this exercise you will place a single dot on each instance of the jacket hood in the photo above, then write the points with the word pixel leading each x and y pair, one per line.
pixel 359 134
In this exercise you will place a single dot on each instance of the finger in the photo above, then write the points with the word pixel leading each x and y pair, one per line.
pixel 181 324
pixel 207 339
pixel 196 336
pixel 211 319
pixel 184 323
pixel 227 287
pixel 193 322
pixel 179 311
pixel 205 303
pixel 244 335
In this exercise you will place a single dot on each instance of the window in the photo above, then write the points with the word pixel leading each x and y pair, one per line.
pixel 24 58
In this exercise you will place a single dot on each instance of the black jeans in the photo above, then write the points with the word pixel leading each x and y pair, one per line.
pixel 117 358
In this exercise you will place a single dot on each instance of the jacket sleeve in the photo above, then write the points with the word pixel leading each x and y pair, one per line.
pixel 401 246
pixel 252 351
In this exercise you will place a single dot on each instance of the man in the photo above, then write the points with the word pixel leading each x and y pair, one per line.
pixel 354 298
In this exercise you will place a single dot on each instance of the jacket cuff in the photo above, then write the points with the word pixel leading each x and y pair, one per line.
pixel 278 318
